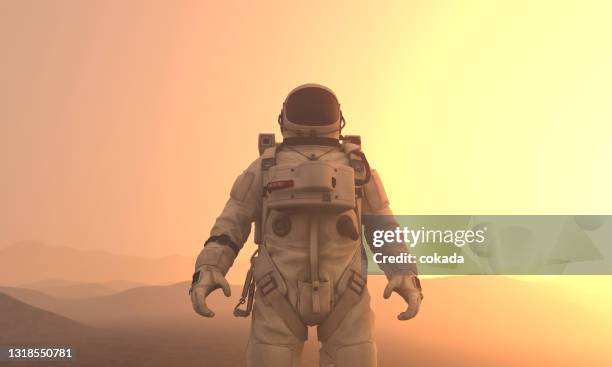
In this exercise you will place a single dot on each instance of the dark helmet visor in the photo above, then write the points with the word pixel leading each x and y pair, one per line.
pixel 312 106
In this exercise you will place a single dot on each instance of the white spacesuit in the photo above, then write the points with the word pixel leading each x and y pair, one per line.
pixel 306 196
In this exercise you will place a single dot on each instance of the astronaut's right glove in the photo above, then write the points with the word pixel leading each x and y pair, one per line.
pixel 205 280
pixel 409 287
pixel 211 266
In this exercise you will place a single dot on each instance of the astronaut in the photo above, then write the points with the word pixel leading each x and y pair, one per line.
pixel 307 197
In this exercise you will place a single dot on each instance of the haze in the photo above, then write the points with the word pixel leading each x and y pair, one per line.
pixel 123 124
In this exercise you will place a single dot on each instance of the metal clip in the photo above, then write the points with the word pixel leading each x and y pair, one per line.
pixel 248 291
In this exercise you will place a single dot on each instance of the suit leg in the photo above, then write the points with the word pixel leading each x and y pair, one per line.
pixel 271 343
pixel 352 344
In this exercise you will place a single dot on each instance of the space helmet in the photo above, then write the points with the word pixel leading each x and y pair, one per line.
pixel 311 110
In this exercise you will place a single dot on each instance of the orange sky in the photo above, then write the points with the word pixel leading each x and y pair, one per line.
pixel 123 124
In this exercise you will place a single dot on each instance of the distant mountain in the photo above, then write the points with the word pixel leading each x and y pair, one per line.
pixel 123 285
pixel 86 290
pixel 68 289
pixel 21 322
pixel 28 262
pixel 48 283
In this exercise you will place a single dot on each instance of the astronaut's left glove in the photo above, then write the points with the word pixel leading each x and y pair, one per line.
pixel 409 287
